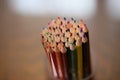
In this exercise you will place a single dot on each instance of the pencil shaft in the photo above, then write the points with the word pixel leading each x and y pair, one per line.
pixel 72 62
pixel 53 67
pixel 80 66
pixel 86 58
pixel 53 63
pixel 60 68
pixel 65 65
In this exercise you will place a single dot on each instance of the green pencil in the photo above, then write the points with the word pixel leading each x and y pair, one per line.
pixel 72 63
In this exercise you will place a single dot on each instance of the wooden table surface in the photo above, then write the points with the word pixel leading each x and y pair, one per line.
pixel 22 56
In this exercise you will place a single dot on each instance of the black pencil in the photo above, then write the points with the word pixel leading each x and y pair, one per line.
pixel 86 51
pixel 86 57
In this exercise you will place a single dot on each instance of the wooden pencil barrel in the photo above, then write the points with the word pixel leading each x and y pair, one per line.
pixel 80 62
pixel 65 65
pixel 86 57
pixel 72 63
pixel 60 67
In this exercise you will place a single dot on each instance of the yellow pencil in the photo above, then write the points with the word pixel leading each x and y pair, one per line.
pixel 79 55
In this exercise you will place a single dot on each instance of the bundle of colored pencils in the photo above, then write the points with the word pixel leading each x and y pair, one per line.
pixel 66 43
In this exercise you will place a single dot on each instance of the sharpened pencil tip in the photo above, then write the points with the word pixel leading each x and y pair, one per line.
pixel 64 18
pixel 72 18
pixel 58 17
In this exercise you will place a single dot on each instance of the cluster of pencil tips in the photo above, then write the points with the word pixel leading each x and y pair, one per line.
pixel 62 33
pixel 66 43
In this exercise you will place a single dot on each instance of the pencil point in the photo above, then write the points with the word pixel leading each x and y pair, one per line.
pixel 72 18
pixel 84 35
pixel 64 18
pixel 48 23
pixel 81 20
pixel 58 17
pixel 74 21
pixel 68 22
pixel 81 30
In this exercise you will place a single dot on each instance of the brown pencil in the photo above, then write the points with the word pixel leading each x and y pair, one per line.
pixel 60 65
pixel 63 51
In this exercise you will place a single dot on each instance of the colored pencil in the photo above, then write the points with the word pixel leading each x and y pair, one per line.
pixel 59 65
pixel 86 57
pixel 86 51
pixel 67 46
pixel 79 57
pixel 72 63
pixel 65 65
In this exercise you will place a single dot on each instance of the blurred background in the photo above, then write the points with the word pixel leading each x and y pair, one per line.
pixel 22 56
